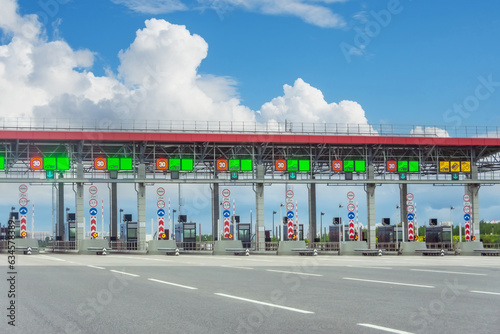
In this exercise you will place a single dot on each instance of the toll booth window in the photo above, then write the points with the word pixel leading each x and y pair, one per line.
pixel 244 235
pixel 132 233
pixel 189 233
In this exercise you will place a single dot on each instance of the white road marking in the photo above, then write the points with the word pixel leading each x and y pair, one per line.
pixel 173 284
pixel 293 272
pixel 486 292
pixel 96 267
pixel 448 272
pixel 363 267
pixel 52 258
pixel 386 329
pixel 264 303
pixel 124 273
pixel 385 282
pixel 225 266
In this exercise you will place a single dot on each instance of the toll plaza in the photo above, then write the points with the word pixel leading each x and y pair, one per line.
pixel 221 154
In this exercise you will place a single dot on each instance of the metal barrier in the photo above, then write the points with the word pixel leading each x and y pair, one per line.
pixel 491 245
pixel 287 127
pixel 127 245
pixel 441 245
pixel 325 246
pixel 62 245
pixel 389 246
pixel 196 246
pixel 272 246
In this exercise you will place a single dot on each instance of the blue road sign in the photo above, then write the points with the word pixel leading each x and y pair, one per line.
pixel 410 216
pixel 226 213
pixel 290 214
pixel 351 215
pixel 23 210
pixel 93 211
pixel 160 212
pixel 466 217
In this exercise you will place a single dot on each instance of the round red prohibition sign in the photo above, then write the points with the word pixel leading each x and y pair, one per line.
pixel 226 192
pixel 466 198
pixel 226 205
pixel 93 190
pixel 410 208
pixel 350 207
pixel 23 201
pixel 350 195
pixel 337 165
pixel 280 165
pixel 289 193
pixel 160 204
pixel 392 166
pixel 36 163
pixel 289 206
pixel 93 203
pixel 160 191
pixel 409 197
pixel 23 188
pixel 222 165
pixel 100 163
pixel 162 163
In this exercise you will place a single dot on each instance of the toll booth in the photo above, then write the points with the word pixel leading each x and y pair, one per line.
pixel 387 234
pixel 71 221
pixel 333 233
pixel 437 234
pixel 267 234
pixel 244 234
pixel 189 235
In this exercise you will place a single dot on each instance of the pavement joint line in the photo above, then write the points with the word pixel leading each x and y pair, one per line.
pixel 293 272
pixel 448 272
pixel 486 292
pixel 367 267
pixel 385 329
pixel 386 282
pixel 124 273
pixel 264 303
pixel 235 267
pixel 173 284
pixel 96 267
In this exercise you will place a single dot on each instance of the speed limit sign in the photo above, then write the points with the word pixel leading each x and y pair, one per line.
pixel 93 203
pixel 289 206
pixel 226 205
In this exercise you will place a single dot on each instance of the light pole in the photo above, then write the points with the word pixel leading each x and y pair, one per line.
pixel 173 215
pixel 321 223
pixel 340 221
pixel 451 224
pixel 274 212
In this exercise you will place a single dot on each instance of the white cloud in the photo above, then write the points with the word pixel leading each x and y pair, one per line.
pixel 304 103
pixel 157 79
pixel 152 6
pixel 419 131
pixel 311 11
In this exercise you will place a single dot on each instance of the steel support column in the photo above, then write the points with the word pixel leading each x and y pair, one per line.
pixel 311 196
pixel 113 231
pixel 60 211
pixel 141 216
pixel 403 191
pixel 259 208
pixel 370 219
pixel 215 211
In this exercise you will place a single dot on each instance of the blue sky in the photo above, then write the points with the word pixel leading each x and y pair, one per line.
pixel 348 61
pixel 411 68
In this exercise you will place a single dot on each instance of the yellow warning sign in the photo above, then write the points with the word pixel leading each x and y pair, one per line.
pixel 465 166
pixel 455 166
pixel 444 166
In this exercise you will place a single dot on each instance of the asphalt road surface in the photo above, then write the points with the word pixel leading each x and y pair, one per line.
pixel 62 293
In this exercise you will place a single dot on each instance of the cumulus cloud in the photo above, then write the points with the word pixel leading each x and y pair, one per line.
pixel 304 103
pixel 157 79
pixel 430 131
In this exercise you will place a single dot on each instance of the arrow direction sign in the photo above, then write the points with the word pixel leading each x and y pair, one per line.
pixel 466 217
pixel 290 214
pixel 351 215
pixel 160 212
pixel 93 211
pixel 23 210
pixel 410 216
pixel 226 213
